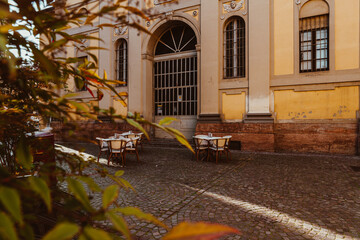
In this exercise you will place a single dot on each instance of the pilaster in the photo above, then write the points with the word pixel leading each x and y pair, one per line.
pixel 259 62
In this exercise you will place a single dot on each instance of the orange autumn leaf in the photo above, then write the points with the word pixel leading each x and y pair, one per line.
pixel 199 231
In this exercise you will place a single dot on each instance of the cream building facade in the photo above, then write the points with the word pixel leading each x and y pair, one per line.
pixel 278 75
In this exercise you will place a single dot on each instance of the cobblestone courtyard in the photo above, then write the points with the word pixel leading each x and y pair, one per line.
pixel 265 196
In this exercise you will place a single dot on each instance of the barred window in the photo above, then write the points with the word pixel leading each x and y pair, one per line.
pixel 314 43
pixel 234 48
pixel 122 62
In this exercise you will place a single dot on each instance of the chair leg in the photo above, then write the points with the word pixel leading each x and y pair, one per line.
pixel 137 155
pixel 99 156
pixel 109 158
pixel 124 159
pixel 217 156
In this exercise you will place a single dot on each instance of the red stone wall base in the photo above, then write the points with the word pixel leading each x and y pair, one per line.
pixel 334 138
pixel 88 130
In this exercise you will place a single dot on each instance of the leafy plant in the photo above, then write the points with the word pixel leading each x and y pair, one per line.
pixel 51 199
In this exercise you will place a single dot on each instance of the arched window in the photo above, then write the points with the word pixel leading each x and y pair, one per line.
pixel 180 38
pixel 234 48
pixel 121 61
pixel 314 36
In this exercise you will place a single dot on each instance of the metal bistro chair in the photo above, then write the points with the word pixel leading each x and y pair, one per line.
pixel 201 145
pixel 218 147
pixel 103 147
pixel 141 139
pixel 227 149
pixel 117 147
pixel 131 147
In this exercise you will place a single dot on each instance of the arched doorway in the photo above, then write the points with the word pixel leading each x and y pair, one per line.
pixel 176 78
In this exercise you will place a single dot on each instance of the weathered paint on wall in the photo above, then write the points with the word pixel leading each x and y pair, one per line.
pixel 283 37
pixel 341 103
pixel 233 106
pixel 347 34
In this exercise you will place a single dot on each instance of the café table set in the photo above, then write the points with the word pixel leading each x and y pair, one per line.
pixel 119 145
pixel 210 144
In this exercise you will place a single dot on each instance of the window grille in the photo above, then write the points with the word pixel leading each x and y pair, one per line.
pixel 314 43
pixel 175 86
pixel 121 62
pixel 234 48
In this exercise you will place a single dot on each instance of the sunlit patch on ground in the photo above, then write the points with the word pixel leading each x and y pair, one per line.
pixel 85 156
pixel 264 196
pixel 304 228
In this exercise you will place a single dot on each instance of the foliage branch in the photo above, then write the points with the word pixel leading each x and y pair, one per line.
pixel 51 200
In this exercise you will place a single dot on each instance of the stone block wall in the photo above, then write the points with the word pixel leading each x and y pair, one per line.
pixel 253 137
pixel 334 138
pixel 89 130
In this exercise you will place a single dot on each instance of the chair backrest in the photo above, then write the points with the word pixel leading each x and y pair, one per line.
pixel 131 135
pixel 228 140
pixel 135 141
pixel 199 142
pixel 220 142
pixel 101 142
pixel 117 144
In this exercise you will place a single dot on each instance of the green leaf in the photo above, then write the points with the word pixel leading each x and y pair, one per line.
pixel 199 230
pixel 133 211
pixel 110 195
pixel 119 173
pixel 39 186
pixel 23 153
pixel 90 18
pixel 62 231
pixel 79 82
pixel 11 201
pixel 76 188
pixel 167 120
pixel 78 106
pixel 121 182
pixel 7 230
pixel 91 183
pixel 137 125
pixel 96 234
pixel 119 224
pixel 179 136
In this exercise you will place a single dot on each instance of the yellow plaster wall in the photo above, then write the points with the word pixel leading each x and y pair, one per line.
pixel 94 43
pixel 233 106
pixel 346 34
pixel 119 107
pixel 341 103
pixel 283 37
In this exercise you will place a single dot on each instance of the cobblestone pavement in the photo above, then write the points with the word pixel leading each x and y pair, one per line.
pixel 265 196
